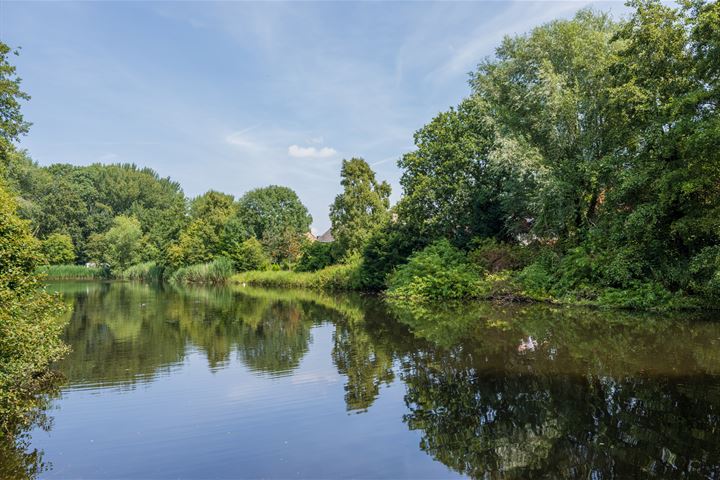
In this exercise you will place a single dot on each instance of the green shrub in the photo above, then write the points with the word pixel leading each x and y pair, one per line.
pixel 248 255
pixel 315 256
pixel 73 272
pixel 58 249
pixel 493 256
pixel 388 247
pixel 31 320
pixel 640 296
pixel 144 272
pixel 438 272
pixel 216 272
pixel 705 268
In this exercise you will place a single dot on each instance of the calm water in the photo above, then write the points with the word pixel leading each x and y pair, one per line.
pixel 228 383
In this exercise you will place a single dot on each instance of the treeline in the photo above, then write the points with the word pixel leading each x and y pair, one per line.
pixel 585 162
pixel 122 216
pixel 583 166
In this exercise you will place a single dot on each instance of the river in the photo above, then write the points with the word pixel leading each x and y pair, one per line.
pixel 247 383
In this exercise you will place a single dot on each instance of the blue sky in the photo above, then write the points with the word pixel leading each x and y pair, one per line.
pixel 236 95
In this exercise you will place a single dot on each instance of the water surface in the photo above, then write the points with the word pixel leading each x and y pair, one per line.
pixel 244 382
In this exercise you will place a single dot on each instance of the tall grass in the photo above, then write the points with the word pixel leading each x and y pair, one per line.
pixel 79 272
pixel 144 272
pixel 216 272
pixel 335 277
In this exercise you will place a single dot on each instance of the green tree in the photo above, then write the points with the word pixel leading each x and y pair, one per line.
pixel 277 217
pixel 361 207
pixel 30 320
pixel 206 236
pixel 12 123
pixel 119 247
pixel 315 256
pixel 465 180
pixel 248 255
pixel 58 249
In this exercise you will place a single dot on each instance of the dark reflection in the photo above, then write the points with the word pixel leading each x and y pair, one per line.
pixel 19 460
pixel 512 392
pixel 565 394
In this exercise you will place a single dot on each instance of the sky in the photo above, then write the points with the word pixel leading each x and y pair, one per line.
pixel 232 96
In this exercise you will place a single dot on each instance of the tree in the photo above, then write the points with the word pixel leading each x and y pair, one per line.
pixel 12 123
pixel 315 256
pixel 58 249
pixel 248 255
pixel 464 179
pixel 361 207
pixel 277 217
pixel 119 247
pixel 30 320
pixel 206 236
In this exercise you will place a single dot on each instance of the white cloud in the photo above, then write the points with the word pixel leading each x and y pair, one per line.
pixel 240 139
pixel 310 152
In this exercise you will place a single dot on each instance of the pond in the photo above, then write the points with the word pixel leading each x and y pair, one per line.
pixel 245 382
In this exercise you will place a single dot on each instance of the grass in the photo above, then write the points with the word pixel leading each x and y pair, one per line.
pixel 334 277
pixel 216 272
pixel 79 272
pixel 144 272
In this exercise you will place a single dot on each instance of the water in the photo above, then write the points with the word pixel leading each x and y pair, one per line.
pixel 244 382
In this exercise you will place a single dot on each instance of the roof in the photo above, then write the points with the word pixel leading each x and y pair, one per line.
pixel 326 237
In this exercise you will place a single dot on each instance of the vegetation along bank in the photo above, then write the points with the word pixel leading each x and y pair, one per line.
pixel 582 167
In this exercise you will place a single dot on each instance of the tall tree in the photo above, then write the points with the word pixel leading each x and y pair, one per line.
pixel 276 216
pixel 205 237
pixel 359 209
pixel 12 123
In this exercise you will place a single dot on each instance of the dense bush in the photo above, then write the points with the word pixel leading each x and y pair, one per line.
pixel 315 256
pixel 438 272
pixel 30 319
pixel 216 272
pixel 493 256
pixel 248 255
pixel 58 249
pixel 388 247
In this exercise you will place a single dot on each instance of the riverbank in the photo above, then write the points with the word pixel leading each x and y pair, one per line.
pixel 502 288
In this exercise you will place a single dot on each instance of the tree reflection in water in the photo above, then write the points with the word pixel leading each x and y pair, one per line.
pixel 519 391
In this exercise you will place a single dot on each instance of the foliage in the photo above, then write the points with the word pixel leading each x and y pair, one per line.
pixel 12 123
pixel 58 249
pixel 315 256
pixel 283 244
pixel 216 272
pixel 247 255
pixel 277 217
pixel 359 209
pixel 438 272
pixel 83 201
pixel 30 319
pixel 119 247
pixel 592 138
pixel 205 237
pixel 493 256
pixel 388 247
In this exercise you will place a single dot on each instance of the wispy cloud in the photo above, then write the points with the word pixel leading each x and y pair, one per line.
pixel 310 152
pixel 243 140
